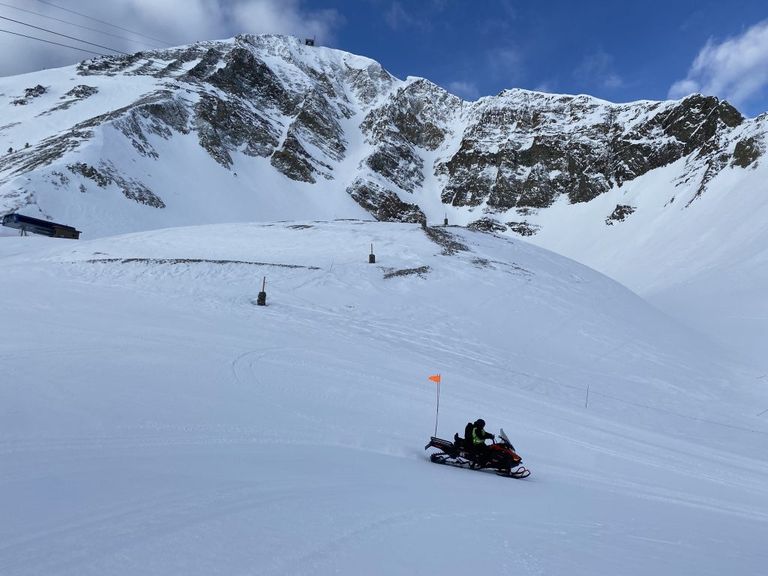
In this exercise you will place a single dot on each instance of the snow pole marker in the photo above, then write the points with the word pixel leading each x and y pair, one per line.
pixel 261 299
pixel 436 379
pixel 586 402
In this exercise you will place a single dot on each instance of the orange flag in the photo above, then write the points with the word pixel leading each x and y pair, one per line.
pixel 435 378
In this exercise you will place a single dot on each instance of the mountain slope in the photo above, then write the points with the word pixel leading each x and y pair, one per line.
pixel 704 264
pixel 665 197
pixel 299 115
pixel 187 430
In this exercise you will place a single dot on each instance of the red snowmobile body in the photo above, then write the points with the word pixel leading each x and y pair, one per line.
pixel 499 456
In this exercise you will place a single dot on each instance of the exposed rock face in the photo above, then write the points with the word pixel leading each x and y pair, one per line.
pixel 294 161
pixel 224 126
pixel 619 214
pixel 414 118
pixel 29 94
pixel 400 165
pixel 747 152
pixel 368 84
pixel 544 146
pixel 82 91
pixel 314 125
pixel 523 228
pixel 417 114
pixel 299 107
pixel 106 175
pixel 487 225
pixel 245 76
pixel 384 204
pixel 697 121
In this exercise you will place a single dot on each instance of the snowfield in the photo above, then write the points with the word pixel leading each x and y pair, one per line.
pixel 154 421
pixel 116 145
pixel 705 264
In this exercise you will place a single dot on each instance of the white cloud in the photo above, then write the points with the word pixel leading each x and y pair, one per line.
pixel 545 86
pixel 735 69
pixel 597 69
pixel 172 22
pixel 397 17
pixel 465 90
pixel 285 17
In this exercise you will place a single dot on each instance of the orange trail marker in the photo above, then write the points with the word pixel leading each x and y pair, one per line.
pixel 436 379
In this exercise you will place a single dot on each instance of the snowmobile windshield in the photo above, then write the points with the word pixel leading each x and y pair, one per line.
pixel 504 437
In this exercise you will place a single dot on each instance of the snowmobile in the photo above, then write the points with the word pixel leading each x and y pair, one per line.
pixel 499 456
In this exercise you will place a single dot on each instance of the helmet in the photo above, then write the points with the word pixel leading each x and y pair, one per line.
pixel 480 423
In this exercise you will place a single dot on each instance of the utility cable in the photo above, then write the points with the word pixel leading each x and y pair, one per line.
pixel 103 22
pixel 51 42
pixel 63 35
pixel 40 15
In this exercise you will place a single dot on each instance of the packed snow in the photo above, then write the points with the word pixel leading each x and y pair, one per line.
pixel 154 420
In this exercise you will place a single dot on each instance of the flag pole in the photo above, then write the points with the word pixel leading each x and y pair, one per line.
pixel 437 411
pixel 436 379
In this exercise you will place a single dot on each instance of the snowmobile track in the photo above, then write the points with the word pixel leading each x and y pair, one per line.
pixel 520 472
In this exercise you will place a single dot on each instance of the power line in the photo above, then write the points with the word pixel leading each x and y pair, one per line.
pixel 51 42
pixel 63 35
pixel 103 22
pixel 73 24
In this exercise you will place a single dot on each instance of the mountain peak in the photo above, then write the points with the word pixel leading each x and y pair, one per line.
pixel 297 115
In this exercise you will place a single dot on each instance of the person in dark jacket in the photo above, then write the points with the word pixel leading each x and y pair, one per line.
pixel 475 437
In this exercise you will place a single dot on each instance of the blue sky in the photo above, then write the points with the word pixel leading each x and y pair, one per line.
pixel 619 51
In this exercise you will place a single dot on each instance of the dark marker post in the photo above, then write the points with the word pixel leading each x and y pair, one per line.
pixel 261 300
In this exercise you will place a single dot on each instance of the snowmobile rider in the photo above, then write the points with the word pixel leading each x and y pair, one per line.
pixel 475 436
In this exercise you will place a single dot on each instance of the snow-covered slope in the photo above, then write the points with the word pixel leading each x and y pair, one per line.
pixel 140 143
pixel 153 420
pixel 706 264
pixel 666 197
